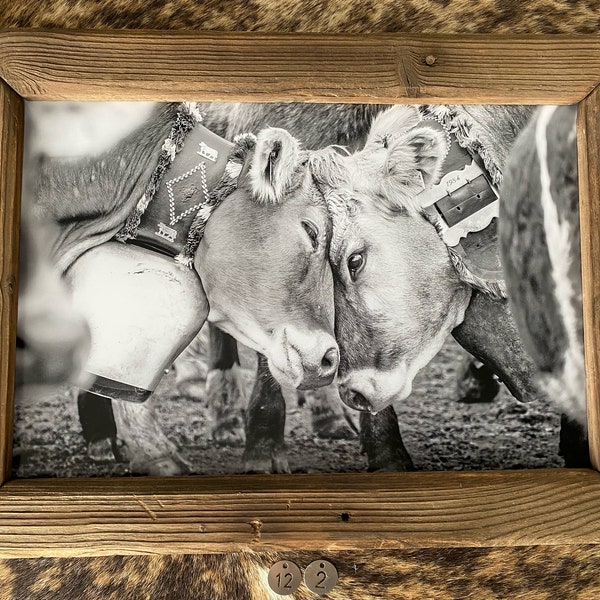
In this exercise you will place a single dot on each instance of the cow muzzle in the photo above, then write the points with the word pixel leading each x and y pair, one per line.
pixel 306 360
pixel 371 390
pixel 355 400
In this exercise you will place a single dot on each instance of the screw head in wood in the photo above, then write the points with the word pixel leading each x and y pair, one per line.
pixel 430 60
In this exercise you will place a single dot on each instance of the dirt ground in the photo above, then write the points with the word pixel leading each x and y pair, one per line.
pixel 440 432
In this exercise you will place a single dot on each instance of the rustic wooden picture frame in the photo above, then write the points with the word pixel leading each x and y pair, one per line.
pixel 310 512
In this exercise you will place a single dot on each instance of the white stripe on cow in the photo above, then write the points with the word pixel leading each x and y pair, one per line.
pixel 568 389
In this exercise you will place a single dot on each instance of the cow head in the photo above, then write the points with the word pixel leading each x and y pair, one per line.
pixel 399 291
pixel 263 260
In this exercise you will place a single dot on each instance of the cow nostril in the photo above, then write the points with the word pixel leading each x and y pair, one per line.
pixel 329 360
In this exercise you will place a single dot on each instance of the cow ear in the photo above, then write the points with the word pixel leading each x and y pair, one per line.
pixel 429 147
pixel 275 159
pixel 413 163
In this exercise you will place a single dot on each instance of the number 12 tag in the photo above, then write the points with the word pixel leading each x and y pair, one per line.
pixel 284 577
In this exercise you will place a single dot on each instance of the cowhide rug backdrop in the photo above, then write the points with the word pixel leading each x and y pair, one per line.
pixel 443 574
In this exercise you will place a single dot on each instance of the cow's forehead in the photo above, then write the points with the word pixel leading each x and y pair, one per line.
pixel 348 187
pixel 341 211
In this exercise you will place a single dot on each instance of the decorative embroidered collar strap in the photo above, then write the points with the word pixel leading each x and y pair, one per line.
pixel 191 162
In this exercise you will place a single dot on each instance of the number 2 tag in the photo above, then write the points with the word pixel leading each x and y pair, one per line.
pixel 320 577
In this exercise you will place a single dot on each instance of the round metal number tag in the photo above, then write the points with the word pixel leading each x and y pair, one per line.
pixel 285 577
pixel 320 577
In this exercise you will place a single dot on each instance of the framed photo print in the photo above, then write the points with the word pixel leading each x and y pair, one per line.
pixel 345 285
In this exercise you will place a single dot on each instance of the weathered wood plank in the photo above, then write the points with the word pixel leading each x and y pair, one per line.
pixel 11 155
pixel 589 193
pixel 55 65
pixel 266 513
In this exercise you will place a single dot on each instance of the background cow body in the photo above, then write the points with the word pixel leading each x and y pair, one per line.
pixel 540 243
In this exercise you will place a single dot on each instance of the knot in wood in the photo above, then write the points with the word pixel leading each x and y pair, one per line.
pixel 430 60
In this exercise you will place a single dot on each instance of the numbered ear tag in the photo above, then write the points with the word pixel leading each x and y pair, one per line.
pixel 284 577
pixel 320 577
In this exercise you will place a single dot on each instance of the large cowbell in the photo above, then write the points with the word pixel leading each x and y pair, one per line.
pixel 143 309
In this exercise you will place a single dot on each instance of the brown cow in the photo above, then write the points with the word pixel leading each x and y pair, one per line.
pixel 272 250
pixel 399 287
pixel 315 126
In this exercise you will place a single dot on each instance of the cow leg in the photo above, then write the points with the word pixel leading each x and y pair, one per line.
pixel 574 444
pixel 265 425
pixel 225 389
pixel 191 369
pixel 331 419
pixel 151 452
pixel 98 427
pixel 476 382
pixel 141 439
pixel 381 441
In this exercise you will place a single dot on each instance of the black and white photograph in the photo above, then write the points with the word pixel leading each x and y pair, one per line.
pixel 219 288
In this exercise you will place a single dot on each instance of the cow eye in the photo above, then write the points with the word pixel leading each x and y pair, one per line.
pixel 356 262
pixel 312 232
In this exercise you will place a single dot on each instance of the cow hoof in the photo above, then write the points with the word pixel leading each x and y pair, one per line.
pixel 276 463
pixel 257 465
pixel 573 446
pixel 164 466
pixel 230 433
pixel 101 450
pixel 279 464
pixel 389 460
pixel 334 429
pixel 478 384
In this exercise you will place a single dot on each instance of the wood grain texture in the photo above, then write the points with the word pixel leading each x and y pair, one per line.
pixel 276 513
pixel 11 156
pixel 589 206
pixel 54 65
